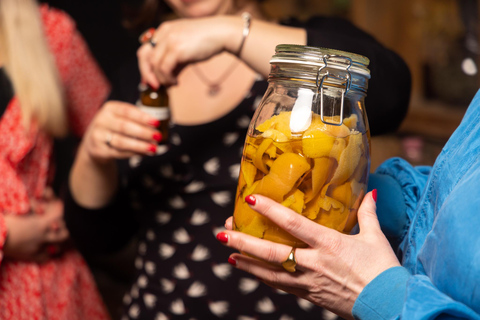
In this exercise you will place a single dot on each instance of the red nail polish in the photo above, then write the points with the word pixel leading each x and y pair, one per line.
pixel 147 35
pixel 232 261
pixel 250 200
pixel 154 88
pixel 157 136
pixel 374 195
pixel 154 123
pixel 152 148
pixel 222 237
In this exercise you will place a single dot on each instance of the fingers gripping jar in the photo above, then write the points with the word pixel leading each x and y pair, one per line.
pixel 308 144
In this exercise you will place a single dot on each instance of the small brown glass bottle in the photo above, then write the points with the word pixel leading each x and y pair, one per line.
pixel 156 103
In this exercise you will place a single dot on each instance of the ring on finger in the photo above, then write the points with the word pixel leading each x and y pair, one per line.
pixel 146 35
pixel 108 139
pixel 153 43
pixel 290 263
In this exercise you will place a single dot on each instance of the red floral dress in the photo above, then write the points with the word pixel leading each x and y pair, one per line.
pixel 62 288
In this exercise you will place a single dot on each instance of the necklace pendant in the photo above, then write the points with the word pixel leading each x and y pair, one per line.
pixel 214 90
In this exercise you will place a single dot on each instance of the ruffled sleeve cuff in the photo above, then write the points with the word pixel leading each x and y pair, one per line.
pixel 400 186
pixel 383 297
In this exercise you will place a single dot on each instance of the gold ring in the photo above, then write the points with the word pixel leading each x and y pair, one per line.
pixel 291 262
pixel 108 139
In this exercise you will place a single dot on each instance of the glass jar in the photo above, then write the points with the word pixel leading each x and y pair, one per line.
pixel 308 144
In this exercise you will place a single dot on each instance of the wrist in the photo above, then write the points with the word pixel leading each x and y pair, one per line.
pixel 85 156
pixel 236 32
pixel 246 19
pixel 92 182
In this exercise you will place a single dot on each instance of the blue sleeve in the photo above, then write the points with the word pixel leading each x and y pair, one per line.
pixel 383 297
pixel 447 269
pixel 424 301
pixel 396 294
pixel 448 286
pixel 399 186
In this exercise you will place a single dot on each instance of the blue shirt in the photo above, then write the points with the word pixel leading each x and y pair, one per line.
pixel 431 215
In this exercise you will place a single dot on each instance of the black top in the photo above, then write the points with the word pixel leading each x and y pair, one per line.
pixel 6 91
pixel 178 201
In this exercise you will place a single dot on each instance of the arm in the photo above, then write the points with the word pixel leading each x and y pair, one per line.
pixel 396 294
pixel 118 131
pixel 184 41
pixel 358 276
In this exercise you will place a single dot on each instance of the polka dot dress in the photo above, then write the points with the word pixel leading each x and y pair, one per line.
pixel 182 199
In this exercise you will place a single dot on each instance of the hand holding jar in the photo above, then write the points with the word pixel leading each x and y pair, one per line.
pixel 331 272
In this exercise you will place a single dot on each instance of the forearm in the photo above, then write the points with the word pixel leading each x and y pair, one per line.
pixel 259 46
pixel 93 183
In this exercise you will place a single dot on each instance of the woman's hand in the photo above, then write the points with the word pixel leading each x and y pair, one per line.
pixel 120 130
pixel 184 41
pixel 37 236
pixel 331 272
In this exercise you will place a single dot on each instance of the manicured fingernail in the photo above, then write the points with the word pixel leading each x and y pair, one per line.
pixel 154 123
pixel 250 200
pixel 374 195
pixel 154 87
pixel 232 261
pixel 222 237
pixel 147 35
pixel 152 148
pixel 157 136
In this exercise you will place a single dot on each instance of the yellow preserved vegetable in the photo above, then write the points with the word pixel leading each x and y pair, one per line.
pixel 320 173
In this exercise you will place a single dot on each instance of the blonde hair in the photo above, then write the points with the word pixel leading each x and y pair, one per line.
pixel 31 67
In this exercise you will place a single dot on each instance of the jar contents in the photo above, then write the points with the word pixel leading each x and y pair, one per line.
pixel 320 173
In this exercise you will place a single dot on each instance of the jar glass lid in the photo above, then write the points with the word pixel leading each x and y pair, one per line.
pixel 299 54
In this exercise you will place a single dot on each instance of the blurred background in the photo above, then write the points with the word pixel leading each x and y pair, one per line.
pixel 438 39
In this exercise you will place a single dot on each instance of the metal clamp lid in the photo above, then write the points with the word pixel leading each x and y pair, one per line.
pixel 345 82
